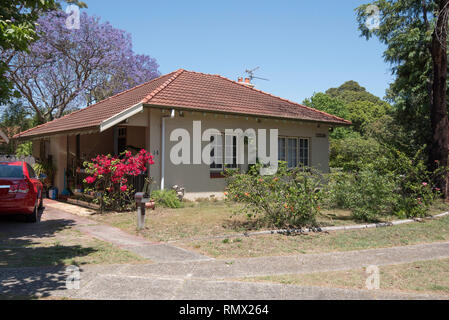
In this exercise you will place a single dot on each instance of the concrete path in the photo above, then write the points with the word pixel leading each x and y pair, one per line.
pixel 214 279
pixel 110 282
pixel 157 252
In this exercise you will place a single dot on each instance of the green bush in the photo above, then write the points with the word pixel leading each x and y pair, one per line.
pixel 289 198
pixel 391 184
pixel 24 149
pixel 166 198
pixel 368 194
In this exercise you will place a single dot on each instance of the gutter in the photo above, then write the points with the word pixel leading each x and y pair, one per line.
pixel 252 115
pixel 119 117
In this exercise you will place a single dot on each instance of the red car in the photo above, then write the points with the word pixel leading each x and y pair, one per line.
pixel 20 190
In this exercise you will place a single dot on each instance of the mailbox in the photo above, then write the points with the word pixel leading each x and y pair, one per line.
pixel 140 204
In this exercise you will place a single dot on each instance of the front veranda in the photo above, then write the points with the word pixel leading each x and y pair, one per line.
pixel 68 152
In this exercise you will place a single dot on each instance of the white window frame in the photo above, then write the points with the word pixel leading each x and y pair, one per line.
pixel 298 150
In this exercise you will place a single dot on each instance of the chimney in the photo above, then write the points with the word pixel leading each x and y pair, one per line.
pixel 246 82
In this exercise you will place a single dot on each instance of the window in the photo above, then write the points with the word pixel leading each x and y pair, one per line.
pixel 292 152
pixel 295 151
pixel 31 172
pixel 281 149
pixel 216 166
pixel 231 151
pixel 304 152
pixel 10 171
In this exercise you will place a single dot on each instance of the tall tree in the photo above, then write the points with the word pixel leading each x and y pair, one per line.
pixel 66 69
pixel 438 114
pixel 17 30
pixel 415 33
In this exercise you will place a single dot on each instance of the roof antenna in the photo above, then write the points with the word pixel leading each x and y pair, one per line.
pixel 252 76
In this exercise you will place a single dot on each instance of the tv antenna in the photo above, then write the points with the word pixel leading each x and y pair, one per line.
pixel 251 75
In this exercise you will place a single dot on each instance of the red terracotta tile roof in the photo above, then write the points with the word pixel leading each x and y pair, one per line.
pixel 189 91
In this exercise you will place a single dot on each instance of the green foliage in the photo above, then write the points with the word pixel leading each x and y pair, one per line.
pixel 47 168
pixel 117 200
pixel 368 194
pixel 24 149
pixel 406 29
pixel 166 198
pixel 390 184
pixel 289 198
pixel 351 102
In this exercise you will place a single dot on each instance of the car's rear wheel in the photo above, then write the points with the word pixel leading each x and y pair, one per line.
pixel 34 217
pixel 41 201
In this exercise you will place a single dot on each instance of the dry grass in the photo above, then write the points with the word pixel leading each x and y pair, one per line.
pixel 424 277
pixel 198 224
pixel 275 244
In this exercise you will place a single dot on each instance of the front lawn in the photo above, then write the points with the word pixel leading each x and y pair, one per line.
pixel 198 225
pixel 430 276
pixel 201 219
pixel 277 244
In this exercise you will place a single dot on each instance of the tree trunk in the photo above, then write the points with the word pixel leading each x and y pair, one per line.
pixel 439 118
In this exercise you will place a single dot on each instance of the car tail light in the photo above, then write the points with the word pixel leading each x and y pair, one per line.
pixel 19 188
pixel 13 188
pixel 23 187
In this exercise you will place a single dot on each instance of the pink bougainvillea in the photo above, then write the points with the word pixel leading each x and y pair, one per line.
pixel 109 171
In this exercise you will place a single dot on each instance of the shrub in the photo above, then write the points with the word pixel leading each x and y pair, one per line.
pixel 110 175
pixel 289 198
pixel 368 194
pixel 166 198
pixel 390 184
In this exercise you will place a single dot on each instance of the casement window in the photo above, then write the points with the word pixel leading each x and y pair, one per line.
pixel 216 166
pixel 295 151
pixel 230 153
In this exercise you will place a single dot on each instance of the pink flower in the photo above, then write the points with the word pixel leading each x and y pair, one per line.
pixel 424 184
pixel 90 180
pixel 123 188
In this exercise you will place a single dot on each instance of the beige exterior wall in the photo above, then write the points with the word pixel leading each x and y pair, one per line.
pixel 196 178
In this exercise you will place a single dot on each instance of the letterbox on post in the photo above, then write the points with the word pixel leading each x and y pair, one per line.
pixel 140 203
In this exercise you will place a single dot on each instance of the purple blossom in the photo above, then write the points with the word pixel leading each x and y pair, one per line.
pixel 67 69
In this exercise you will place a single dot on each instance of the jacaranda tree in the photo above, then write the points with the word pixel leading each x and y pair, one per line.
pixel 68 68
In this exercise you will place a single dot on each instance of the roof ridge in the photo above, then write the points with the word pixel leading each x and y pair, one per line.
pixel 92 105
pixel 283 99
pixel 162 86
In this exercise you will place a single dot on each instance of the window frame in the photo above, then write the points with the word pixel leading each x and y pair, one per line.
pixel 298 150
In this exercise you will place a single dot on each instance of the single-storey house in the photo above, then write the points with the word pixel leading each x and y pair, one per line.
pixel 146 115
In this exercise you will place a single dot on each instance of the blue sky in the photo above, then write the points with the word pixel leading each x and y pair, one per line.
pixel 301 46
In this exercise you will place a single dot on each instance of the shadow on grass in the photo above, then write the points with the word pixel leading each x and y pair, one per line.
pixel 20 250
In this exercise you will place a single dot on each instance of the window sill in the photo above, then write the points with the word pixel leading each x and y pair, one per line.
pixel 217 175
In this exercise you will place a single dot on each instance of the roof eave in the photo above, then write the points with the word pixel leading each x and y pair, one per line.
pixel 86 130
pixel 121 116
pixel 183 108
